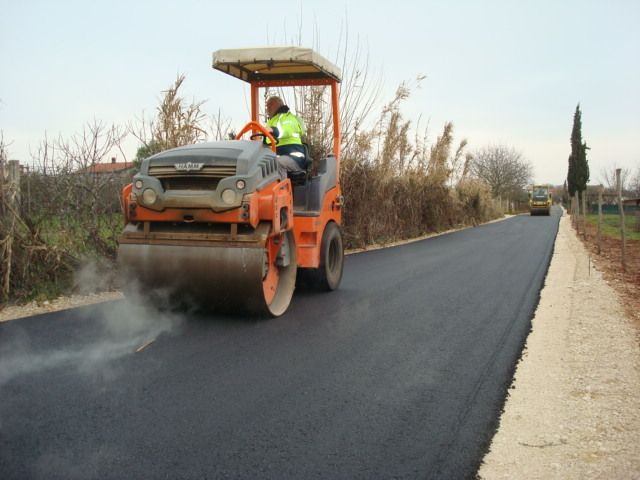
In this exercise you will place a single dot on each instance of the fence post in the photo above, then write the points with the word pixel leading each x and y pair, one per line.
pixel 14 182
pixel 600 218
pixel 3 177
pixel 27 172
pixel 584 213
pixel 621 208
pixel 10 201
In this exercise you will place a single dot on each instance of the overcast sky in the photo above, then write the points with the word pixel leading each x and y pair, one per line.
pixel 504 72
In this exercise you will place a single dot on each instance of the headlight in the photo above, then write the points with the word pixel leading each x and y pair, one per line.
pixel 228 196
pixel 240 184
pixel 149 196
pixel 138 184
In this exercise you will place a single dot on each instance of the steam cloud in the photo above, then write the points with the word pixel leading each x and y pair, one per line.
pixel 122 328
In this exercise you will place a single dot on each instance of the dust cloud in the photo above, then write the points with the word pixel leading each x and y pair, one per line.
pixel 121 328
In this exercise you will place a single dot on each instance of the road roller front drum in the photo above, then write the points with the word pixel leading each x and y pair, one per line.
pixel 257 279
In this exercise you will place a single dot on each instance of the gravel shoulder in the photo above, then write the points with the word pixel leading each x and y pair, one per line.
pixel 14 312
pixel 572 411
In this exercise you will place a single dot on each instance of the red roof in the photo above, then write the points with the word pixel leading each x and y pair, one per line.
pixel 111 167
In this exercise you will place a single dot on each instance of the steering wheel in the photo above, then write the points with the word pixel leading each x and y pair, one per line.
pixel 258 130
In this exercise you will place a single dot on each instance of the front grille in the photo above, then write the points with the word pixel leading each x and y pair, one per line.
pixel 267 166
pixel 189 183
pixel 212 171
pixel 206 178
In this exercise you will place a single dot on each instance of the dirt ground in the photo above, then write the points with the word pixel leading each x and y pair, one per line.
pixel 609 260
pixel 573 410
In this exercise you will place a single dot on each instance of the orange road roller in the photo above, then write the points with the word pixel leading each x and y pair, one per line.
pixel 217 223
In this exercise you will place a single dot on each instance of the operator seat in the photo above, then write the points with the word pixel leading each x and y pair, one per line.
pixel 308 197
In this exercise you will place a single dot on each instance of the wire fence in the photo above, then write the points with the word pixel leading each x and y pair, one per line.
pixel 612 224
pixel 50 223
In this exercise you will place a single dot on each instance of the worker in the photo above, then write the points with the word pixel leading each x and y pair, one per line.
pixel 288 130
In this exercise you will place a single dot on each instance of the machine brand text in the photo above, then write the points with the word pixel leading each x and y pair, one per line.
pixel 188 166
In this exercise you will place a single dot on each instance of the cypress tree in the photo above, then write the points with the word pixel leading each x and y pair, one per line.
pixel 571 177
pixel 578 173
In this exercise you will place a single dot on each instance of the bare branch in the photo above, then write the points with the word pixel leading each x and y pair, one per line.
pixel 503 168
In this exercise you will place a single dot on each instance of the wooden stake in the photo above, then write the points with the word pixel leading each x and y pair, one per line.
pixel 621 208
pixel 584 213
pixel 600 219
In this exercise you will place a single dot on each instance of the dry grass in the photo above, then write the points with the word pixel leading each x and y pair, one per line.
pixel 397 188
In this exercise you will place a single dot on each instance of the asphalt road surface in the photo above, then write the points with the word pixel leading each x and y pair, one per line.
pixel 401 373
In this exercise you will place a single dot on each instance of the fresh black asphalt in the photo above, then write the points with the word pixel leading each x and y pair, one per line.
pixel 401 373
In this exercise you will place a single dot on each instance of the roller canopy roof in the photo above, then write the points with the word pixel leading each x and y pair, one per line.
pixel 274 63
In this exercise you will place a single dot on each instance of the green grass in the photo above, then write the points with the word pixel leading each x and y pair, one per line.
pixel 611 225
pixel 72 241
pixel 48 290
pixel 72 233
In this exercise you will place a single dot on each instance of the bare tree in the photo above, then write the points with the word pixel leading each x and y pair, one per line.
pixel 220 127
pixel 3 161
pixel 634 185
pixel 67 186
pixel 503 168
pixel 608 177
pixel 7 224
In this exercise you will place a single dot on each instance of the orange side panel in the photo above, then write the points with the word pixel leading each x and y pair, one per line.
pixel 124 201
pixel 308 230
pixel 273 200
pixel 265 205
